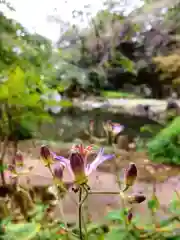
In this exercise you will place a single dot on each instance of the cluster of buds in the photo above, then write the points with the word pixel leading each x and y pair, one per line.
pixel 18 168
pixel 129 180
pixel 57 168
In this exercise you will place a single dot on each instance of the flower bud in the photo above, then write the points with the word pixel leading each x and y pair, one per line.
pixel 19 159
pixel 130 175
pixel 46 155
pixel 58 171
pixel 136 199
pixel 77 166
pixel 129 217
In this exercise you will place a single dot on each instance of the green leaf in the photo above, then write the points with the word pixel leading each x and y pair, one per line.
pixel 117 215
pixel 63 85
pixel 174 206
pixel 22 231
pixel 146 128
pixel 127 64
pixel 153 204
pixel 117 234
pixel 16 83
pixel 65 103
pixel 4 93
pixel 32 100
pixel 114 94
pixel 92 227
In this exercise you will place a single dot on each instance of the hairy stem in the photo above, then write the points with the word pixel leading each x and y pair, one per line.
pixel 60 201
pixel 109 138
pixel 80 214
pixel 103 193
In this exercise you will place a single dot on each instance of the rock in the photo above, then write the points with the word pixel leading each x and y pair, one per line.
pixel 172 105
pixel 172 110
pixel 123 142
pixel 132 146
pixel 150 169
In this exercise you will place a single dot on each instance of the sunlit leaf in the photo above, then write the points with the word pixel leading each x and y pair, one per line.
pixel 127 64
pixel 4 93
pixel 146 128
pixel 117 234
pixel 153 203
pixel 22 231
pixel 65 103
pixel 32 100
pixel 116 215
pixel 16 82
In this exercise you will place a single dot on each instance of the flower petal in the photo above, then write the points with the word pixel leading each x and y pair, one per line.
pixel 64 161
pixel 98 160
pixel 78 167
pixel 117 128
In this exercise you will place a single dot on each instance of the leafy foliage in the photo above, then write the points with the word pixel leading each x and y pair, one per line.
pixel 21 104
pixel 115 225
pixel 164 147
pixel 169 68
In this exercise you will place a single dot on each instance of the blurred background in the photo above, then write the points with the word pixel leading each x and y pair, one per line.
pixel 64 64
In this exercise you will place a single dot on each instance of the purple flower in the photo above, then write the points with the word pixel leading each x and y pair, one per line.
pixel 114 128
pixel 58 171
pixel 117 128
pixel 78 166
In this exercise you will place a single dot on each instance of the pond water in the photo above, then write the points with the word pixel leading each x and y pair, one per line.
pixel 72 122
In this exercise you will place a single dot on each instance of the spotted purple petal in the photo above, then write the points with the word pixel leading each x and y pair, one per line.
pixel 64 161
pixel 77 163
pixel 98 160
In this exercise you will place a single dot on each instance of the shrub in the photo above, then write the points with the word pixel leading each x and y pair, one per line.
pixel 165 146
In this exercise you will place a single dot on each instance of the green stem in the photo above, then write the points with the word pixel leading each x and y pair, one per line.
pixel 109 138
pixel 104 193
pixel 60 201
pixel 80 214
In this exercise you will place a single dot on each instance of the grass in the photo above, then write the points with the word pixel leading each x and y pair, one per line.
pixel 115 94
